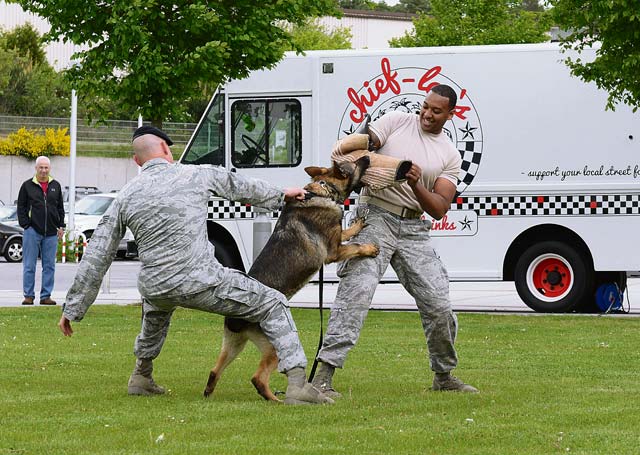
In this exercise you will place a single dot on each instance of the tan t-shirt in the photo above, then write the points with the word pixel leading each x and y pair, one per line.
pixel 402 137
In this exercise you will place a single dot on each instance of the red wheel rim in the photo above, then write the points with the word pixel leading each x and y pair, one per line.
pixel 550 277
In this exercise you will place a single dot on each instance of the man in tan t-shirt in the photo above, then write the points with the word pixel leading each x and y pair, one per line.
pixel 394 223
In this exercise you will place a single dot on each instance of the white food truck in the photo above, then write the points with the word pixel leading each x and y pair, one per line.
pixel 549 192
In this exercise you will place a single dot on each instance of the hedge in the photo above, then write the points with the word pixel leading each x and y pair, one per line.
pixel 32 143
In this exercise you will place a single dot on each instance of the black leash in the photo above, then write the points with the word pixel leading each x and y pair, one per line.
pixel 320 299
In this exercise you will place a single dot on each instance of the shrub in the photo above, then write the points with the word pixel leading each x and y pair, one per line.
pixel 70 247
pixel 32 143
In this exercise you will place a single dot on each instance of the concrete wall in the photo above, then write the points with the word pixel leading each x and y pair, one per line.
pixel 105 173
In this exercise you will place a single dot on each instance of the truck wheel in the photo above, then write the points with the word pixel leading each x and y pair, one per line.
pixel 553 277
pixel 13 251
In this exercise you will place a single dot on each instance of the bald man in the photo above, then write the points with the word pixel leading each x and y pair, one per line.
pixel 166 209
pixel 40 211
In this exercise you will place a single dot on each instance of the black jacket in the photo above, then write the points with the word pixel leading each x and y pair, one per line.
pixel 45 215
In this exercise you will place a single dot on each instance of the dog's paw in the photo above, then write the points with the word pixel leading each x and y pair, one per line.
pixel 358 223
pixel 371 249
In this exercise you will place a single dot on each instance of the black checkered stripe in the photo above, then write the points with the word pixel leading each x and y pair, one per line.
pixel 221 209
pixel 470 163
pixel 584 204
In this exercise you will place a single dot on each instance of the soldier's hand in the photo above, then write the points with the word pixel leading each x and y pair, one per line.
pixel 294 193
pixel 65 326
pixel 413 175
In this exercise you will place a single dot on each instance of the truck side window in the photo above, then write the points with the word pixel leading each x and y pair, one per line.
pixel 207 146
pixel 266 133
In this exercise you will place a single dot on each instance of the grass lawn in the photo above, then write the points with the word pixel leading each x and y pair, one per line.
pixel 549 384
pixel 109 150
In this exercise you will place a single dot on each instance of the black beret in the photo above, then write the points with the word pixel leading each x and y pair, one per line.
pixel 148 129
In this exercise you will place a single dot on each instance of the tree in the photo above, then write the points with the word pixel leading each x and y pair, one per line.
pixel 357 4
pixel 151 55
pixel 367 5
pixel 413 6
pixel 29 86
pixel 466 22
pixel 615 26
pixel 26 41
pixel 532 5
pixel 313 36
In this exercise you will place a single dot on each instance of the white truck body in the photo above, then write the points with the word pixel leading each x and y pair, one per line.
pixel 544 163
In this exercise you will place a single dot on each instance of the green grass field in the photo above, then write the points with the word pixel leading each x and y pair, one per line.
pixel 549 385
pixel 109 150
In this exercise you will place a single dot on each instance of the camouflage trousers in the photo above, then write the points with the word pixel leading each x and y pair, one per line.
pixel 239 296
pixel 407 246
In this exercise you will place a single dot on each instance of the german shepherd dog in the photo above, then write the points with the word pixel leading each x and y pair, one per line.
pixel 307 235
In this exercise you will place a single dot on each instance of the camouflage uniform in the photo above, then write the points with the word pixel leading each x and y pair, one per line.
pixel 407 246
pixel 166 209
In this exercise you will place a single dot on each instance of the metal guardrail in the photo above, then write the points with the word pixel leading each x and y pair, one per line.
pixel 111 131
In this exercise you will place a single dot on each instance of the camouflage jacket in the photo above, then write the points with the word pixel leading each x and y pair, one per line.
pixel 166 209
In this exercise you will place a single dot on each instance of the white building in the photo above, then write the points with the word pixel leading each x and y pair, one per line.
pixel 369 29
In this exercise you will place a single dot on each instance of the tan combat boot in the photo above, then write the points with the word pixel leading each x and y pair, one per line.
pixel 141 385
pixel 141 381
pixel 301 392
pixel 322 381
pixel 446 382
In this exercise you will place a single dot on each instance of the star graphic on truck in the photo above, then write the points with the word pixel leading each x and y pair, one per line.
pixel 467 131
pixel 466 223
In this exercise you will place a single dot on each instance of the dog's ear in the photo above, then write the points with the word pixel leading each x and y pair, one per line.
pixel 346 168
pixel 314 171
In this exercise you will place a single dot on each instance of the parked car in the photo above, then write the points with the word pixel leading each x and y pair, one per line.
pixel 11 242
pixel 81 191
pixel 89 211
pixel 9 215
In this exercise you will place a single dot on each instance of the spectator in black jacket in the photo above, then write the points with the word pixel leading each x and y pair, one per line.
pixel 41 214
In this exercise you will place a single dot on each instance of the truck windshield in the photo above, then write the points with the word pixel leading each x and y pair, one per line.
pixel 207 146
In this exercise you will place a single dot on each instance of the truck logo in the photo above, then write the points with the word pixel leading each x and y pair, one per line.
pixel 403 89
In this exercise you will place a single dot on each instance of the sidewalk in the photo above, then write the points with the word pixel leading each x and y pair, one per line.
pixel 465 296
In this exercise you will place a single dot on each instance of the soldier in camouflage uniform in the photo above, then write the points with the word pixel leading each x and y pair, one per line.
pixel 166 209
pixel 393 222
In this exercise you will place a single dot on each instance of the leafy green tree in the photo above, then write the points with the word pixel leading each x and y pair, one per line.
pixel 314 36
pixel 615 25
pixel 367 5
pixel 26 41
pixel 532 5
pixel 151 55
pixel 413 6
pixel 29 86
pixel 357 4
pixel 466 22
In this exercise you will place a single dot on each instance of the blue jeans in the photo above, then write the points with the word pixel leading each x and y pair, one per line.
pixel 32 244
